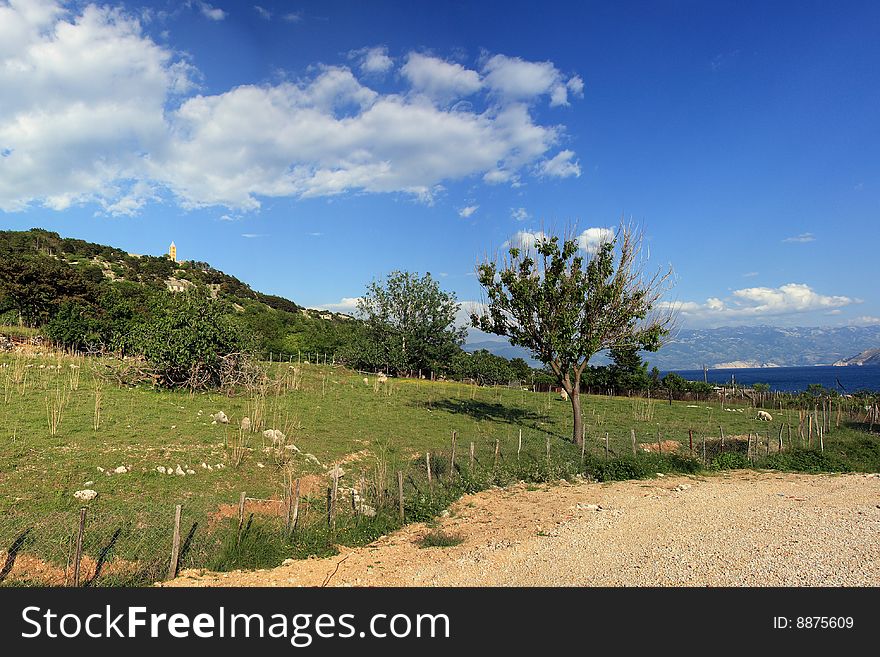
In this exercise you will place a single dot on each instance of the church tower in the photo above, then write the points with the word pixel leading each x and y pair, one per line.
pixel 172 252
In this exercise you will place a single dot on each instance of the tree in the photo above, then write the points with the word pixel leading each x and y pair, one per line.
pixel 191 342
pixel 410 323
pixel 565 305
pixel 628 371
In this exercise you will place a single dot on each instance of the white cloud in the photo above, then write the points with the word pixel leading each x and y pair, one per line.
pixel 210 12
pixel 801 239
pixel 514 78
pixel 524 239
pixel 866 320
pixel 592 238
pixel 560 166
pixel 440 80
pixel 520 214
pixel 750 274
pixel 292 17
pixel 373 61
pixel 88 105
pixel 346 305
pixel 467 211
pixel 251 236
pixel 100 113
pixel 263 12
pixel 760 302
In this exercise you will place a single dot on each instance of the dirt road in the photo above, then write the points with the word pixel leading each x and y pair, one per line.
pixel 735 529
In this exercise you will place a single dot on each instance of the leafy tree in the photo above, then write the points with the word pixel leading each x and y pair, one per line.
pixel 36 286
pixel 410 323
pixel 566 307
pixel 483 366
pixel 189 340
pixel 628 371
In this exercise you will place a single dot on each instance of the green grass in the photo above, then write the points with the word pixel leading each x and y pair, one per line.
pixel 331 413
pixel 440 538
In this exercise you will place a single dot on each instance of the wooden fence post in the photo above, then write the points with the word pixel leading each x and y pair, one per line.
pixel 497 450
pixel 519 445
pixel 175 545
pixel 333 495
pixel 77 558
pixel 721 429
pixel 452 457
pixel 471 453
pixel 293 510
pixel 400 492
pixel 632 435
pixel 241 500
pixel 606 444
pixel 428 467
pixel 691 440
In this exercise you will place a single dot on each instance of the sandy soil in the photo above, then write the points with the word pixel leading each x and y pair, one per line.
pixel 736 529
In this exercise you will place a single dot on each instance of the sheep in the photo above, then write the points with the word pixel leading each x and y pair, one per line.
pixel 764 416
pixel 219 418
pixel 276 436
pixel 382 378
pixel 366 381
pixel 564 395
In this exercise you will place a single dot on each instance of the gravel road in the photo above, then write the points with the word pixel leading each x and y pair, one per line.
pixel 735 529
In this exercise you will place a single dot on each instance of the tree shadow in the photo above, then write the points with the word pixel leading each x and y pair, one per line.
pixel 187 544
pixel 13 553
pixel 492 412
pixel 102 558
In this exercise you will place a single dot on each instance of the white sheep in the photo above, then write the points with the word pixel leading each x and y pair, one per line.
pixel 219 418
pixel 564 395
pixel 764 416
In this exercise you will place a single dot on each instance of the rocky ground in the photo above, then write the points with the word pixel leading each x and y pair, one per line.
pixel 736 529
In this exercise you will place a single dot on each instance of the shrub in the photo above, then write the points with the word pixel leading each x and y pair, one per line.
pixel 191 342
pixel 439 538
pixel 807 460
pixel 730 461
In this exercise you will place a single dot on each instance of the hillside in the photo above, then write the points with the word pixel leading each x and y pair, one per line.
pixel 870 357
pixel 40 271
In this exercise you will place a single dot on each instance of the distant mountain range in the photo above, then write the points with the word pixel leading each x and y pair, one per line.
pixel 870 357
pixel 754 346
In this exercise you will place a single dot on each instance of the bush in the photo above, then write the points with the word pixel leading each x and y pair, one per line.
pixel 807 460
pixel 730 461
pixel 191 342
pixel 439 538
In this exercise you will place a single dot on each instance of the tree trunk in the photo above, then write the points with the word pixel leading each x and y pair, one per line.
pixel 578 430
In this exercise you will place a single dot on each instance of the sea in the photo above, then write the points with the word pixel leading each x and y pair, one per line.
pixel 845 380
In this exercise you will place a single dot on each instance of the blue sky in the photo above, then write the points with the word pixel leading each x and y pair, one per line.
pixel 310 147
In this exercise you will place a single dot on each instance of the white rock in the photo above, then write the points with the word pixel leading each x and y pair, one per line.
pixel 160 469
pixel 100 469
pixel 120 470
pixel 245 424
pixel 288 562
pixel 179 471
pixel 589 507
pixel 86 495
pixel 190 472
pixel 260 465
pixel 89 483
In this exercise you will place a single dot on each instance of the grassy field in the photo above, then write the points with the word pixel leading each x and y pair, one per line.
pixel 66 426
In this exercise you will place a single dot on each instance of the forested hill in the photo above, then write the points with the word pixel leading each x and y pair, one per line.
pixel 42 273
